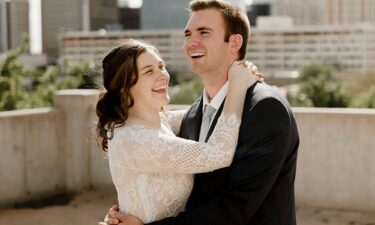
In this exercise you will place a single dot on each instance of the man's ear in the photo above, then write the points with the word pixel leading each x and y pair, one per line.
pixel 235 42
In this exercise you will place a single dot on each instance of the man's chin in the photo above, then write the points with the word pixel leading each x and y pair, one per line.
pixel 196 69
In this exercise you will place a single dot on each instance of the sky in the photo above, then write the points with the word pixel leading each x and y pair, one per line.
pixel 35 22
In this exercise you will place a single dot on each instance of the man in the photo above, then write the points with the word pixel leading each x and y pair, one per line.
pixel 258 188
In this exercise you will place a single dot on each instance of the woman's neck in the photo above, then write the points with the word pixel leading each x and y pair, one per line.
pixel 148 117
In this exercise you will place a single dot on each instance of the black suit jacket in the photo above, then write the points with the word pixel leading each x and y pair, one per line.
pixel 258 187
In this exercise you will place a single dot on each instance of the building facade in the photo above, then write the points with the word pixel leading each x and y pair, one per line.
pixel 326 12
pixel 84 15
pixel 170 14
pixel 164 14
pixel 129 18
pixel 14 23
pixel 349 48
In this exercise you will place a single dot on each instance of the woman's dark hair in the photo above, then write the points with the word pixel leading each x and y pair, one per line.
pixel 119 74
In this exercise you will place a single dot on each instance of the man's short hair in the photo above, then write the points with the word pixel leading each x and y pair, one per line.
pixel 236 22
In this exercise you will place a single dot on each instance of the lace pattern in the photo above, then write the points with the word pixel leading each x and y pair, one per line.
pixel 152 168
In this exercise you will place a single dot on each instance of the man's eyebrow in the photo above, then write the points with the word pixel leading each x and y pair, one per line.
pixel 204 28
pixel 199 29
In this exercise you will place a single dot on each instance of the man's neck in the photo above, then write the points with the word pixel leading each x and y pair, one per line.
pixel 212 90
pixel 213 83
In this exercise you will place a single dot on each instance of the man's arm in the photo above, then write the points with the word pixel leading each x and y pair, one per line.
pixel 255 168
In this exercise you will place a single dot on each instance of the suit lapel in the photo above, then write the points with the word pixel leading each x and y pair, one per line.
pixel 194 120
pixel 214 121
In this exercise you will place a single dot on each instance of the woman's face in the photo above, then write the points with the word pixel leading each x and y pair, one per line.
pixel 151 89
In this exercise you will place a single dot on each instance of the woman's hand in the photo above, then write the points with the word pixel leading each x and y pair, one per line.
pixel 244 74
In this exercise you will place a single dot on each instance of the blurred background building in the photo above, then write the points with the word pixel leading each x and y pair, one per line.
pixel 285 49
pixel 170 14
pixel 60 16
pixel 286 34
pixel 323 12
pixel 164 14
pixel 14 23
pixel 129 18
pixel 259 8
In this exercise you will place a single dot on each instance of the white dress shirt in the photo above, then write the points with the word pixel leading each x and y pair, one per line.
pixel 217 100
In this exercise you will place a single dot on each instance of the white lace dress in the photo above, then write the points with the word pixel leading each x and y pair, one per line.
pixel 152 169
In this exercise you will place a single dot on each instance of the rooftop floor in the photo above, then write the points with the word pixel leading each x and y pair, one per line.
pixel 90 208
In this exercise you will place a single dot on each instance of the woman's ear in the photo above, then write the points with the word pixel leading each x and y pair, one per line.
pixel 235 42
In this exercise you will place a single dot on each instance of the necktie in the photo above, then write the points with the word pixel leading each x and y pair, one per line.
pixel 207 117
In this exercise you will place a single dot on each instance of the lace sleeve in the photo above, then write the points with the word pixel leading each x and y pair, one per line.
pixel 146 150
pixel 175 118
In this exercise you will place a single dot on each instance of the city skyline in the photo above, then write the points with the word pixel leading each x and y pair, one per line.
pixel 35 21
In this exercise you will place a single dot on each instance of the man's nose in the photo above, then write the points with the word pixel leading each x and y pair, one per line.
pixel 192 42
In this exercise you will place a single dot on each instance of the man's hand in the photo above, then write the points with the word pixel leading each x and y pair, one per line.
pixel 114 217
pixel 108 220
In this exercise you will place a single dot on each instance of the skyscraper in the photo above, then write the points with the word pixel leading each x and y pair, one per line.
pixel 349 11
pixel 259 8
pixel 307 12
pixel 164 14
pixel 84 15
pixel 327 12
pixel 14 23
pixel 170 14
pixel 129 18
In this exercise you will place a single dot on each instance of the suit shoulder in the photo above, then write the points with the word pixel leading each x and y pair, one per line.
pixel 262 91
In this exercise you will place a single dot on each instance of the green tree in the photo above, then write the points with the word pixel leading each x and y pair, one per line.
pixel 363 89
pixel 22 88
pixel 187 92
pixel 318 88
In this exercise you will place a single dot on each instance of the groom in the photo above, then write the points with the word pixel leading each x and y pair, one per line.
pixel 258 187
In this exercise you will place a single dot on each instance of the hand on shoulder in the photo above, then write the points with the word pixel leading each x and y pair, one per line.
pixel 244 74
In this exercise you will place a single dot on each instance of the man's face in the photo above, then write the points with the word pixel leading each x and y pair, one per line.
pixel 204 44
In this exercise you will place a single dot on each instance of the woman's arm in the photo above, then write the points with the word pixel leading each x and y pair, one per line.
pixel 148 150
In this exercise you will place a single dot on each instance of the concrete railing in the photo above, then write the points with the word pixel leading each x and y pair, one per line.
pixel 45 151
pixel 31 159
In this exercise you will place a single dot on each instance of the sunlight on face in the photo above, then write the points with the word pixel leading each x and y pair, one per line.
pixel 151 89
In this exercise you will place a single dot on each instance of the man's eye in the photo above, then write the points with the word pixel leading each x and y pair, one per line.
pixel 148 72
pixel 187 35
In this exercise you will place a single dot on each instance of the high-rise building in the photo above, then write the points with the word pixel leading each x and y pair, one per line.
pixel 349 11
pixel 129 18
pixel 239 3
pixel 259 8
pixel 307 12
pixel 171 14
pixel 349 48
pixel 84 15
pixel 164 14
pixel 327 12
pixel 14 23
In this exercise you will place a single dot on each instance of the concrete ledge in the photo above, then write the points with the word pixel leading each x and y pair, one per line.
pixel 53 149
pixel 31 161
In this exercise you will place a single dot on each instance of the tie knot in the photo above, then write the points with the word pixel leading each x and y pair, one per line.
pixel 209 110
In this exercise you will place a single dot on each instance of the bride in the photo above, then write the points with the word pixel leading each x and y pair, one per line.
pixel 151 167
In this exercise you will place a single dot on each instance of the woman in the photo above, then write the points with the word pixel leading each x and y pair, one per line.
pixel 151 168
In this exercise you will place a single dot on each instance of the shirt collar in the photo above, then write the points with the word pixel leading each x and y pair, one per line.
pixel 218 99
